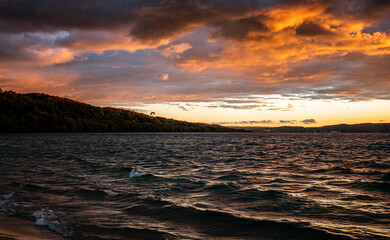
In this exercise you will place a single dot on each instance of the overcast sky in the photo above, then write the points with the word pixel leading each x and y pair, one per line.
pixel 248 62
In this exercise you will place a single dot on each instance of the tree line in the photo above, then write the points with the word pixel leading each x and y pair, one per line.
pixel 38 112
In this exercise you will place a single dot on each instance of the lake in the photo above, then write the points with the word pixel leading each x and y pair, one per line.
pixel 199 185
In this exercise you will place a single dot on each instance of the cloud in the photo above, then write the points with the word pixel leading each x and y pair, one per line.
pixel 360 9
pixel 289 107
pixel 383 26
pixel 213 50
pixel 309 121
pixel 48 15
pixel 164 76
pixel 183 108
pixel 312 29
pixel 239 29
pixel 167 20
pixel 34 48
pixel 253 122
pixel 287 121
pixel 244 100
pixel 241 107
pixel 174 50
pixel 247 122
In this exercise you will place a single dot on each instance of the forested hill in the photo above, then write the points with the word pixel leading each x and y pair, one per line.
pixel 36 112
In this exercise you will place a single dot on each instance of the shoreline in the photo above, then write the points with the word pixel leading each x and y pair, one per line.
pixel 12 228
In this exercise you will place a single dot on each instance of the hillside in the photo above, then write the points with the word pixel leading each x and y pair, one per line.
pixel 37 112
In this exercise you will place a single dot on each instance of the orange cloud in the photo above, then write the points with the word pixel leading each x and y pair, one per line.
pixel 304 49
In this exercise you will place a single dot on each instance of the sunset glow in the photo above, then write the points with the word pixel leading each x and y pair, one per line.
pixel 234 63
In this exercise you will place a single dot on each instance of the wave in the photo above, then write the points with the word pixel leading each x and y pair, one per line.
pixel 134 173
pixel 51 219
pixel 372 186
pixel 230 177
pixel 16 207
pixel 226 224
pixel 386 177
pixel 321 170
pixel 122 197
pixel 254 195
pixel 222 188
pixel 359 197
pixel 186 185
pixel 335 169
pixel 233 192
pixel 322 190
pixel 99 232
pixel 122 169
pixel 375 186
pixel 74 191
pixel 88 193
pixel 42 217
pixel 374 165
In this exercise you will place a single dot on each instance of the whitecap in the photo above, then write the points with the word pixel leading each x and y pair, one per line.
pixel 8 196
pixel 49 218
pixel 43 217
pixel 134 173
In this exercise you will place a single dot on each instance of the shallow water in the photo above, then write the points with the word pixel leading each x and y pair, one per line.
pixel 199 185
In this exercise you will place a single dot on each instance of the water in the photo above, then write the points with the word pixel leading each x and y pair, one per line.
pixel 199 185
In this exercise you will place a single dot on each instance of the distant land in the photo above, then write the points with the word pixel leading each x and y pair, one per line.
pixel 342 128
pixel 38 112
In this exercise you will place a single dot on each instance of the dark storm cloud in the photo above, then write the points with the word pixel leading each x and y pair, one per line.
pixel 145 19
pixel 20 47
pixel 12 50
pixel 171 17
pixel 367 9
pixel 153 23
pixel 239 29
pixel 380 27
pixel 87 14
pixel 312 29
pixel 150 18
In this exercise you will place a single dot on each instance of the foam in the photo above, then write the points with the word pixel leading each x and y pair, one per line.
pixel 134 174
pixel 49 218
pixel 8 196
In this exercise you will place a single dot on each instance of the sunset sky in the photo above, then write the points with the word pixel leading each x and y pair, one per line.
pixel 230 62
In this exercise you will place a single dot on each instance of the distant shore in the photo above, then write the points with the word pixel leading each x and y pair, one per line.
pixel 340 128
pixel 12 228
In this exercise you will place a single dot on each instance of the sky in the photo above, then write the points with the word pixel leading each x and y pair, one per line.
pixel 228 62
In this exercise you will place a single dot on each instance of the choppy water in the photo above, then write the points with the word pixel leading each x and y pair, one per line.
pixel 199 185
